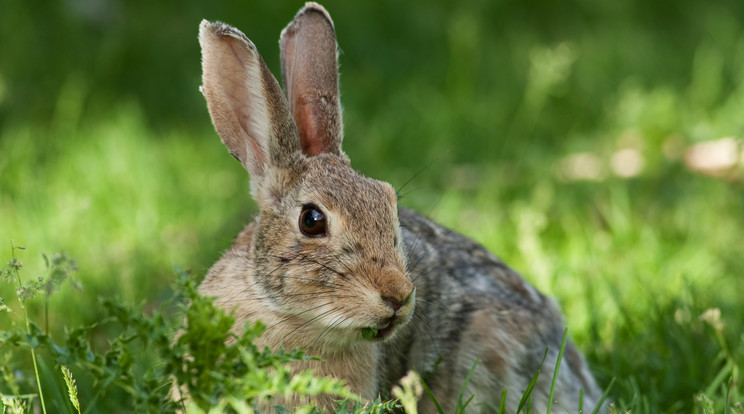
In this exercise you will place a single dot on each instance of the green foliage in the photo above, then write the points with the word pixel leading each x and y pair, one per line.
pixel 13 404
pixel 528 391
pixel 216 369
pixel 107 152
pixel 431 395
pixel 463 404
pixel 557 368
pixel 603 398
pixel 369 333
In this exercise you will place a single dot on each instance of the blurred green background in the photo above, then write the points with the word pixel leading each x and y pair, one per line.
pixel 558 134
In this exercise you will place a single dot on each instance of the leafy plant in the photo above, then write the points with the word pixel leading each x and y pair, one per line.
pixel 206 368
pixel 58 270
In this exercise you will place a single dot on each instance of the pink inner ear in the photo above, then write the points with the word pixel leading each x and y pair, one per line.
pixel 312 138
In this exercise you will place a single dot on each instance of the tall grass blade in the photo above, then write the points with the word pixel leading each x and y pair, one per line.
pixel 467 402
pixel 557 368
pixel 431 395
pixel 532 383
pixel 17 274
pixel 460 407
pixel 720 378
pixel 54 394
pixel 604 396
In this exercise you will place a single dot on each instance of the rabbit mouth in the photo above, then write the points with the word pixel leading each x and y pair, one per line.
pixel 386 329
pixel 384 333
pixel 375 334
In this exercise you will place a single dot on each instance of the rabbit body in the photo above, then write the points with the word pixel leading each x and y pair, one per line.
pixel 472 307
pixel 332 266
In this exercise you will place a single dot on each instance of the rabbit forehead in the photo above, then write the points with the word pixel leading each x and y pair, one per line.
pixel 350 197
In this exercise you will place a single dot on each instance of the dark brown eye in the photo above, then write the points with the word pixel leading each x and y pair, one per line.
pixel 312 221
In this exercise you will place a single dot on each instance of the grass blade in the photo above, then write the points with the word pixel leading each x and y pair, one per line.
pixel 720 378
pixel 460 407
pixel 51 385
pixel 431 395
pixel 604 396
pixel 532 383
pixel 557 368
pixel 467 402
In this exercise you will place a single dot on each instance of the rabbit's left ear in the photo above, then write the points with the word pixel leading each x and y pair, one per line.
pixel 245 102
pixel 310 74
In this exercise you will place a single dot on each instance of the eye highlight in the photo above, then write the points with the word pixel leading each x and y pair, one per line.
pixel 312 221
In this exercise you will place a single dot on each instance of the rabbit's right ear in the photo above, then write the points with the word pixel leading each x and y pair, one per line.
pixel 310 74
pixel 246 104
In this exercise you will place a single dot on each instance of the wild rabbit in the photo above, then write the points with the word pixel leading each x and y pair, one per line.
pixel 334 267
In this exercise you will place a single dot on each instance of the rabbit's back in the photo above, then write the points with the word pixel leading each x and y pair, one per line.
pixel 472 307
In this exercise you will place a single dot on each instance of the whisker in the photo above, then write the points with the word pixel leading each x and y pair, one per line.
pixel 284 337
pixel 295 315
pixel 424 325
pixel 321 294
pixel 333 325
pixel 417 173
pixel 346 267
pixel 326 267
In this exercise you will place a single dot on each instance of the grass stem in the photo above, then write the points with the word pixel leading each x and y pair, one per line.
pixel 28 329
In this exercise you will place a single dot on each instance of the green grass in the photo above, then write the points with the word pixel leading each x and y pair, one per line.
pixel 479 105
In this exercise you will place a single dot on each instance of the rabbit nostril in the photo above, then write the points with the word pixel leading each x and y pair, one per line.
pixel 392 302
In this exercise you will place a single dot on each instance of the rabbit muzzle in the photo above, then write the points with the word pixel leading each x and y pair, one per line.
pixel 398 297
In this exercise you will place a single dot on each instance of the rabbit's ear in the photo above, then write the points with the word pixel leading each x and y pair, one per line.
pixel 245 101
pixel 310 74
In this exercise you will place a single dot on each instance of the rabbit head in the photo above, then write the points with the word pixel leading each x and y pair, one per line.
pixel 326 248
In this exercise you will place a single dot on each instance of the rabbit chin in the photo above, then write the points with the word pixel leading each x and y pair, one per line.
pixel 324 337
pixel 383 331
pixel 330 326
pixel 342 339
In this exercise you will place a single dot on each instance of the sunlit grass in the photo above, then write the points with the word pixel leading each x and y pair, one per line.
pixel 128 203
pixel 634 262
pixel 522 158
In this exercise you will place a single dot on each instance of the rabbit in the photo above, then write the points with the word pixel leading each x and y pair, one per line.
pixel 333 266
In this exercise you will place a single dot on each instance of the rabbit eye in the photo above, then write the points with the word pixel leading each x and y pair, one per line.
pixel 312 221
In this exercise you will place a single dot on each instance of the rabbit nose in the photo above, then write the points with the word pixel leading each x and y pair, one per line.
pixel 396 303
pixel 393 287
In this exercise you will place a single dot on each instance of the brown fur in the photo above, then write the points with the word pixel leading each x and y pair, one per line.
pixel 314 95
pixel 439 300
